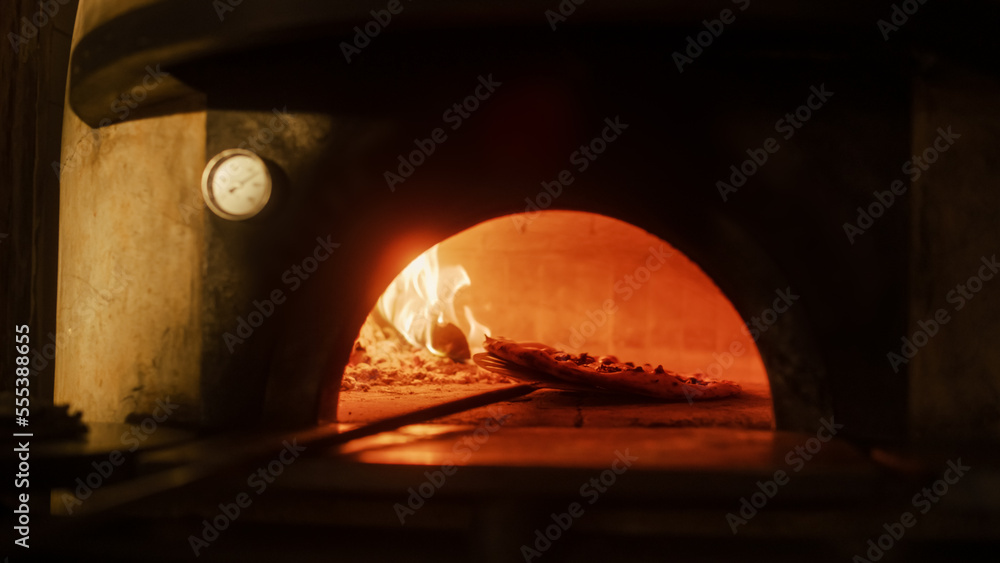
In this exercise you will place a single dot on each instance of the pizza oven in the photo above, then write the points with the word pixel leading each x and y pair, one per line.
pixel 779 196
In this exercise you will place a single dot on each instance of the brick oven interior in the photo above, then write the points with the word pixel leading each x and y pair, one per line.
pixel 581 282
pixel 815 184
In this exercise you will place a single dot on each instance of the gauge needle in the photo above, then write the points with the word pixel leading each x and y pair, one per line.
pixel 246 176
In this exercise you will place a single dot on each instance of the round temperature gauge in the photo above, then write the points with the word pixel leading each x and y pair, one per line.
pixel 236 184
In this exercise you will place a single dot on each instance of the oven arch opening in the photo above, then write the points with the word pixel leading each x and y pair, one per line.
pixel 580 282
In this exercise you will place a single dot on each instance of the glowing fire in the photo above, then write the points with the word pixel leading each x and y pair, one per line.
pixel 421 301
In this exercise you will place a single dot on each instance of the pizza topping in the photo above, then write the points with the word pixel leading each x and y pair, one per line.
pixel 608 368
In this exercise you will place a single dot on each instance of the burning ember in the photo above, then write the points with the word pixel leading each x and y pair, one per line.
pixel 414 335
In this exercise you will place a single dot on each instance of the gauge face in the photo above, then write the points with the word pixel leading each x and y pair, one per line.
pixel 236 184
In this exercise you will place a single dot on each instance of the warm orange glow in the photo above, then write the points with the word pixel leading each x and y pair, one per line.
pixel 422 297
pixel 582 282
pixel 576 281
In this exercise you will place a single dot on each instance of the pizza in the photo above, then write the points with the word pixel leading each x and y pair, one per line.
pixel 605 372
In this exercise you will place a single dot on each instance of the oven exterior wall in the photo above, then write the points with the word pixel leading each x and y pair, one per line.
pixel 128 334
pixel 955 379
pixel 130 267
pixel 250 281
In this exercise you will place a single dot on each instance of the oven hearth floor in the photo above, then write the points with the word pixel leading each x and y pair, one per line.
pixel 563 409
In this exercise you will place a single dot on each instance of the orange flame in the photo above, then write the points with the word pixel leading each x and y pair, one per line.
pixel 423 296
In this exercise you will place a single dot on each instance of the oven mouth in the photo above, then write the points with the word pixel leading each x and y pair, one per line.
pixel 577 281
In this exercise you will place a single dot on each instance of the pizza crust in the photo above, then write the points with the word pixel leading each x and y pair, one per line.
pixel 610 374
